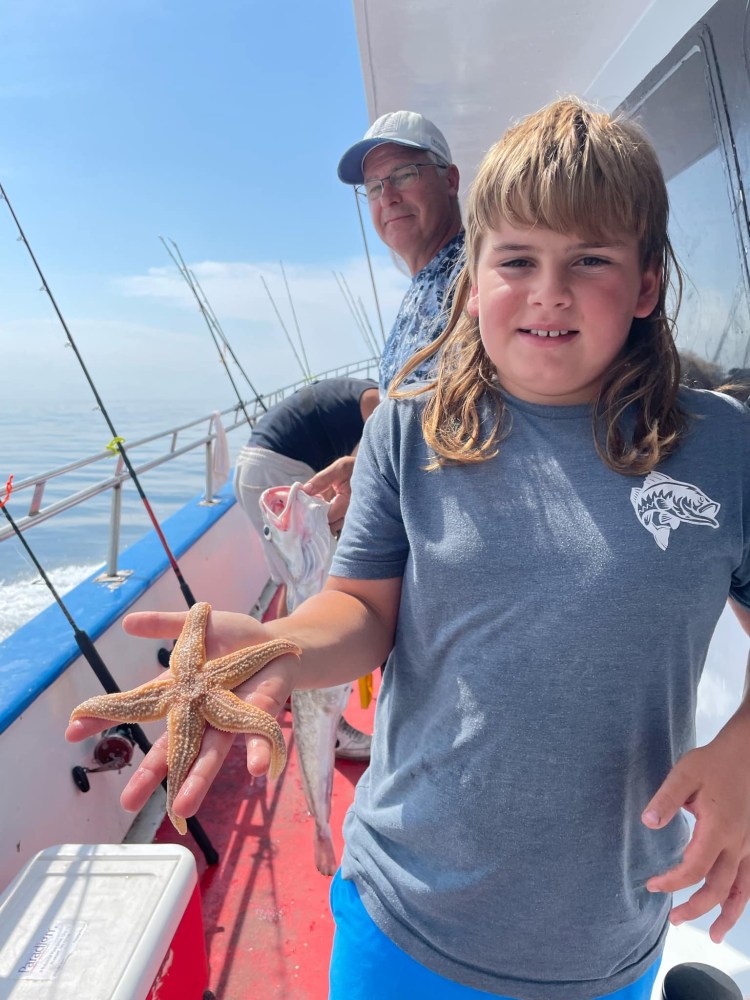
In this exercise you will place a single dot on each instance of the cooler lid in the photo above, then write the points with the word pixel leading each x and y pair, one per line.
pixel 92 922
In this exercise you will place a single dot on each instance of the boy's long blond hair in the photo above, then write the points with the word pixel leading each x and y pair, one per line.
pixel 570 169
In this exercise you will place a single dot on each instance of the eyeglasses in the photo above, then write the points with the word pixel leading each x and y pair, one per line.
pixel 400 180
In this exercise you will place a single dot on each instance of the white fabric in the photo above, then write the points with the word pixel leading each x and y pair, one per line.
pixel 220 463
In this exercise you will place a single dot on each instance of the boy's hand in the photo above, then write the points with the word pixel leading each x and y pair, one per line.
pixel 268 689
pixel 712 783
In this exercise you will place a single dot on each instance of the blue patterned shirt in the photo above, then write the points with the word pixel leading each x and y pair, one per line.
pixel 421 317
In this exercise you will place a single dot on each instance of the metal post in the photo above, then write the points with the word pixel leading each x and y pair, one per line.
pixel 113 551
pixel 209 472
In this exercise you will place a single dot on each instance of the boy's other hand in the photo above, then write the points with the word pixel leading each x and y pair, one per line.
pixel 712 783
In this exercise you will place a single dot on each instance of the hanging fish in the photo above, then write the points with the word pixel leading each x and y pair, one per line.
pixel 296 524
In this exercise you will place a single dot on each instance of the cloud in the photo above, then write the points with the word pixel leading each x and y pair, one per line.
pixel 236 293
pixel 236 288
pixel 158 347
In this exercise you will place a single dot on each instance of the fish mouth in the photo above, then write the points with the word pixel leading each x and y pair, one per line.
pixel 547 333
pixel 277 503
pixel 702 515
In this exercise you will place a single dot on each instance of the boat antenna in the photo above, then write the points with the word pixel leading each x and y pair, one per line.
pixel 117 443
pixel 294 317
pixel 305 373
pixel 97 664
pixel 369 264
pixel 213 325
pixel 344 289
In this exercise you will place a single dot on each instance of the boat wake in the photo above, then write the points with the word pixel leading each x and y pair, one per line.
pixel 24 598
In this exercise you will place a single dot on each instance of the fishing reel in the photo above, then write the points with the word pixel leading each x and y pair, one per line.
pixel 113 751
pixel 694 981
pixel 163 656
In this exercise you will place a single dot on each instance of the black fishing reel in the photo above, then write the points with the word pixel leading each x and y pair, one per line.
pixel 113 752
pixel 163 656
pixel 693 981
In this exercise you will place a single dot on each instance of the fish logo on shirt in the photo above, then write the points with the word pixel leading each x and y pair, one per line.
pixel 662 504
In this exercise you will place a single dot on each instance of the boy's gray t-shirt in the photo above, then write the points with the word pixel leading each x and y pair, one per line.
pixel 553 626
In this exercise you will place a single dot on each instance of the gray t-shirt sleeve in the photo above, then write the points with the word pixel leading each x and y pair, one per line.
pixel 373 544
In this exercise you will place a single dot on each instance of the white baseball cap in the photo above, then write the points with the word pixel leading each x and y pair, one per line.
pixel 405 128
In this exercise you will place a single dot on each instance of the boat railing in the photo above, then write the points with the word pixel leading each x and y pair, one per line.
pixel 181 439
pixel 356 369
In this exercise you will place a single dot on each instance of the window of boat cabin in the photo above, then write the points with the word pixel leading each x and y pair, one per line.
pixel 685 108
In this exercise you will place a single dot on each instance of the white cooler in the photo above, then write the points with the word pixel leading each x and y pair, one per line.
pixel 104 922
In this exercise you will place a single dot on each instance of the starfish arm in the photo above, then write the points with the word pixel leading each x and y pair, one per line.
pixel 146 703
pixel 185 728
pixel 231 670
pixel 225 711
pixel 189 653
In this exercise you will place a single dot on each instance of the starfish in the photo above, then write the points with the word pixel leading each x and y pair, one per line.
pixel 196 691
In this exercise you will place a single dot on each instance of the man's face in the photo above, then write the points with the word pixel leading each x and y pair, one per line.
pixel 413 223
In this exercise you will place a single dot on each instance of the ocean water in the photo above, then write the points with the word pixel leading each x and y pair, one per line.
pixel 74 544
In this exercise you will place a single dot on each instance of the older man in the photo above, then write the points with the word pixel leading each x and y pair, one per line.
pixel 403 168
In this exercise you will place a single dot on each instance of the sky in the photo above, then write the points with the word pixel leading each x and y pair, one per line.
pixel 218 126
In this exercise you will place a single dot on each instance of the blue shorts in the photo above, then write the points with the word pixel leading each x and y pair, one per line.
pixel 366 965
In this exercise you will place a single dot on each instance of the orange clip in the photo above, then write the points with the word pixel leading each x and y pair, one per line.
pixel 365 690
pixel 8 491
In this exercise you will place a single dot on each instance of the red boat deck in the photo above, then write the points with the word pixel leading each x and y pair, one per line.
pixel 265 905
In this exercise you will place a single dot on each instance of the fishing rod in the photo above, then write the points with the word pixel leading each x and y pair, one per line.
pixel 220 330
pixel 97 664
pixel 258 398
pixel 305 373
pixel 294 316
pixel 343 288
pixel 366 319
pixel 359 308
pixel 369 264
pixel 214 327
pixel 117 443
